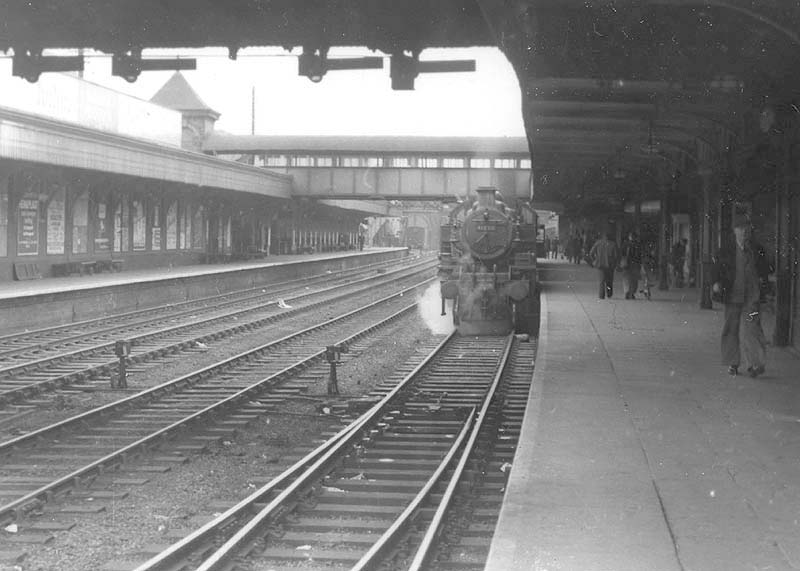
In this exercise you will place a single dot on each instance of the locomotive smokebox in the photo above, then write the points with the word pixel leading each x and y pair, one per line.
pixel 488 229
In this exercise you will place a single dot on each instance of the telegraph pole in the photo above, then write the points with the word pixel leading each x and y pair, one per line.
pixel 253 111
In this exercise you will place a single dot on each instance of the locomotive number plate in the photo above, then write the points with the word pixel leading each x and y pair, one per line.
pixel 486 227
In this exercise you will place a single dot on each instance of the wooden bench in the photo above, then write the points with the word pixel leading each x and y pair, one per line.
pixel 67 268
pixel 213 258
pixel 27 271
pixel 109 265
pixel 255 253
pixel 60 269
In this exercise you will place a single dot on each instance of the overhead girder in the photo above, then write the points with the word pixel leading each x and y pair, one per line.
pixel 113 25
pixel 588 108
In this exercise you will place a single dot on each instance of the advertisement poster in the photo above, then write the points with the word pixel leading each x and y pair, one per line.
pixel 28 226
pixel 80 224
pixel 156 238
pixel 3 219
pixel 139 226
pixel 101 241
pixel 172 226
pixel 56 223
pixel 121 227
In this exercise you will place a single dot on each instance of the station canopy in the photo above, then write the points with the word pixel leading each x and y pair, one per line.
pixel 619 97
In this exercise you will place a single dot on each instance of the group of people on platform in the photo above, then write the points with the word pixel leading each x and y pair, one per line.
pixel 636 260
pixel 574 249
pixel 739 277
pixel 636 263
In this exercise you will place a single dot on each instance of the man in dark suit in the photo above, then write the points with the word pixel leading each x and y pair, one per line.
pixel 738 276
pixel 604 256
pixel 631 264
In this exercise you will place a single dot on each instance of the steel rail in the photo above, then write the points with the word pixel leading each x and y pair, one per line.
pixel 34 364
pixel 429 540
pixel 9 394
pixel 247 294
pixel 10 510
pixel 140 318
pixel 315 462
pixel 372 558
pixel 199 374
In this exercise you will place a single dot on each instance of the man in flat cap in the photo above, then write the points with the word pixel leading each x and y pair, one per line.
pixel 738 276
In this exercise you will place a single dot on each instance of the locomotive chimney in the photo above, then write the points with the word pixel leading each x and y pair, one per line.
pixel 486 196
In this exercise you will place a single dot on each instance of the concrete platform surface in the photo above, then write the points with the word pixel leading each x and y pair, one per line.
pixel 639 452
pixel 49 285
pixel 54 301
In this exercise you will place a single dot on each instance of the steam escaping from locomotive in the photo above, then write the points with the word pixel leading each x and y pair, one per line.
pixel 428 309
pixel 487 266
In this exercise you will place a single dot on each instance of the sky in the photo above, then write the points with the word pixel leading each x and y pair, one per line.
pixel 481 103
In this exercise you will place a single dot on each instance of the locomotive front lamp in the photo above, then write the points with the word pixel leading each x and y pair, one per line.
pixel 516 239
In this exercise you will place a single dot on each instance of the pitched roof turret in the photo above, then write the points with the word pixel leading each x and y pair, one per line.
pixel 177 94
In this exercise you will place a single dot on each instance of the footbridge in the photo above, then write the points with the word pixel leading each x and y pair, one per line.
pixel 386 168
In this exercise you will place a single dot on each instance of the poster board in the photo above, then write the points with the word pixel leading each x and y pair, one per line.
pixel 28 225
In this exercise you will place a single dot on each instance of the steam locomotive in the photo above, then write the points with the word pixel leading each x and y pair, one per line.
pixel 487 266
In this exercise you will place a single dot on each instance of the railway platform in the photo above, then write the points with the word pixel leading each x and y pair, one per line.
pixel 53 301
pixel 639 452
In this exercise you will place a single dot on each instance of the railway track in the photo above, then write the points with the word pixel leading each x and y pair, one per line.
pixel 208 403
pixel 465 534
pixel 30 345
pixel 381 492
pixel 94 357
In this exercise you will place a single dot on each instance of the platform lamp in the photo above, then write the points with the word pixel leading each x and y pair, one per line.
pixel 405 68
pixel 314 63
pixel 129 64
pixel 30 64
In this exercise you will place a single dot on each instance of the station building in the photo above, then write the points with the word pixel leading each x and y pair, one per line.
pixel 93 179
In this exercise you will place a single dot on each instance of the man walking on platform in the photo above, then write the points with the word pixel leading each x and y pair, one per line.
pixel 362 233
pixel 631 264
pixel 604 256
pixel 738 274
pixel 678 260
pixel 573 249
